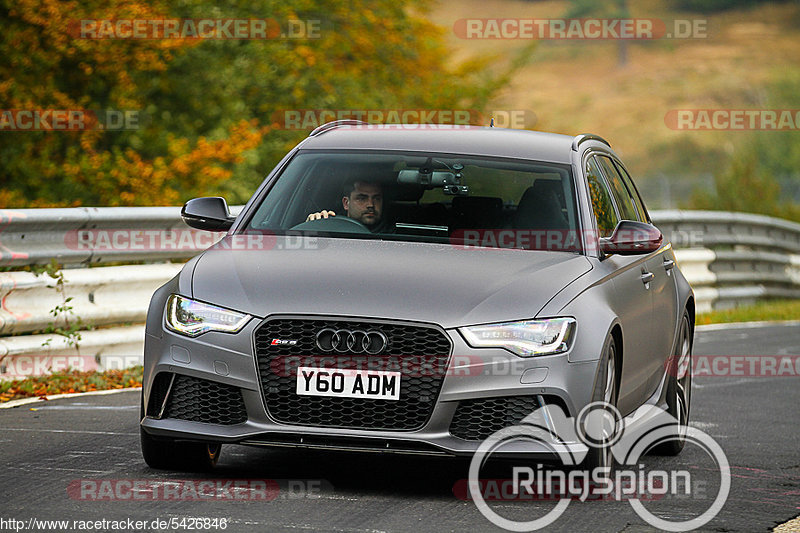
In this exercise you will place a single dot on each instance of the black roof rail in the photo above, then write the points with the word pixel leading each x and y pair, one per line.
pixel 587 137
pixel 335 124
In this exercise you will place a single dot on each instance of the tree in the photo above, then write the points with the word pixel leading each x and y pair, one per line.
pixel 764 165
pixel 205 106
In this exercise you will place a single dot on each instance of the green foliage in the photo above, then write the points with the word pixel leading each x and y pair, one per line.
pixel 682 156
pixel 778 152
pixel 712 6
pixel 65 322
pixel 747 186
pixel 761 160
pixel 743 187
pixel 598 8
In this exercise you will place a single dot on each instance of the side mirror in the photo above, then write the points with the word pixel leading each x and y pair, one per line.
pixel 210 213
pixel 632 238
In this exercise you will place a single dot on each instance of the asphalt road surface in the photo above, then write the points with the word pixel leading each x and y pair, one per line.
pixel 68 459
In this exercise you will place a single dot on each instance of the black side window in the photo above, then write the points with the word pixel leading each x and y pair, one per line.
pixel 637 198
pixel 602 206
pixel 623 197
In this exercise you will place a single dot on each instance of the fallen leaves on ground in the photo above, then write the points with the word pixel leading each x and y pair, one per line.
pixel 69 381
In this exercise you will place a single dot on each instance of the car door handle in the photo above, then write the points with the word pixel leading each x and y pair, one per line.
pixel 668 264
pixel 647 277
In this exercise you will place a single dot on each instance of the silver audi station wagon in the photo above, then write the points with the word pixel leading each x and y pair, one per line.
pixel 414 289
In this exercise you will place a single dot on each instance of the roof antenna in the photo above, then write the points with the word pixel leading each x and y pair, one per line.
pixel 491 122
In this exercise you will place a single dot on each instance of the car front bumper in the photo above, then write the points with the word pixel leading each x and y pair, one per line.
pixel 472 374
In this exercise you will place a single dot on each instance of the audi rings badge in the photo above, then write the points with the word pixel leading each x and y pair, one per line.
pixel 351 341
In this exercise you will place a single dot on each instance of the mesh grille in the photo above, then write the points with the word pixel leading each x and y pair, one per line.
pixel 420 353
pixel 199 400
pixel 477 419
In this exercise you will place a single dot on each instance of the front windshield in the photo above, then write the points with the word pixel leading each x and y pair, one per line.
pixel 438 198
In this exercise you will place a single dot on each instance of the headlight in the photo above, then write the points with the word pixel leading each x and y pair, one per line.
pixel 526 338
pixel 192 318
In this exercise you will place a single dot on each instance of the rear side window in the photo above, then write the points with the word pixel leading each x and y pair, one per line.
pixel 637 199
pixel 623 197
pixel 602 206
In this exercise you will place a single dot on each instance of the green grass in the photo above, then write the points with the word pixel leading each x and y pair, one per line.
pixel 768 310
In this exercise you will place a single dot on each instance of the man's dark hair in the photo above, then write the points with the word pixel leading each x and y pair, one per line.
pixel 350 186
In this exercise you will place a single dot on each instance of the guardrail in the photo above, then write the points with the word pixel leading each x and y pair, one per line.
pixel 96 235
pixel 734 258
pixel 727 230
pixel 729 258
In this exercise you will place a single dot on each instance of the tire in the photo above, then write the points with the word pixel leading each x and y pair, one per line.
pixel 679 389
pixel 169 454
pixel 606 390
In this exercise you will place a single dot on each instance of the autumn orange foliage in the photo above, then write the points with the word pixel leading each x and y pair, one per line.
pixel 205 105
pixel 46 67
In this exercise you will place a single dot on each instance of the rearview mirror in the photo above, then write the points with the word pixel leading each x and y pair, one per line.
pixel 632 238
pixel 448 181
pixel 209 213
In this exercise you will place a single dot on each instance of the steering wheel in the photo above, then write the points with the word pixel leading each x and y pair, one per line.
pixel 340 223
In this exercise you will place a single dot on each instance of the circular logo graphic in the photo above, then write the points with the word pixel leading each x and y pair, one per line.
pixel 499 439
pixel 599 425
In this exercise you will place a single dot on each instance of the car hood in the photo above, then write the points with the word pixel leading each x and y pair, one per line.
pixel 436 283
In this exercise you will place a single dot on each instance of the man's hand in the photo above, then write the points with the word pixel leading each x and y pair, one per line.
pixel 319 215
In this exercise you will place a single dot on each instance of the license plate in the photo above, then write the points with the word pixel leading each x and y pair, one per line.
pixel 348 383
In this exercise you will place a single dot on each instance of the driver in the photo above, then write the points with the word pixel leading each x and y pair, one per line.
pixel 362 201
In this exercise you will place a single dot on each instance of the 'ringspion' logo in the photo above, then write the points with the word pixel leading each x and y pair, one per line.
pixel 599 428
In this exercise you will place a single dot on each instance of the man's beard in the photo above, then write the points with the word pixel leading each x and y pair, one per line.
pixel 375 219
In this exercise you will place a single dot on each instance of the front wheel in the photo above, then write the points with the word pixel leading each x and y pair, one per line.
pixel 599 425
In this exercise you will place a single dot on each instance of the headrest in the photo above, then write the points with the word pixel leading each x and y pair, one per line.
pixel 462 204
